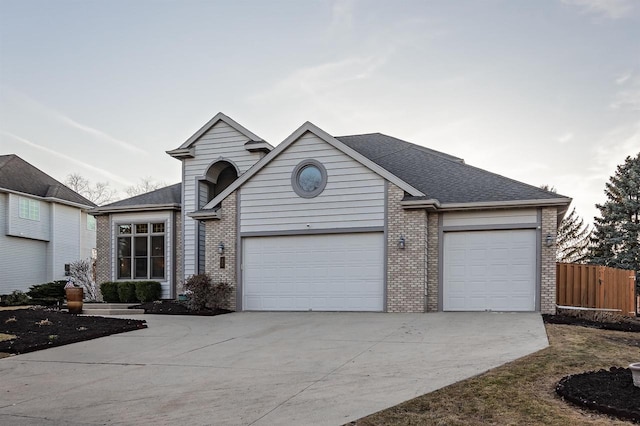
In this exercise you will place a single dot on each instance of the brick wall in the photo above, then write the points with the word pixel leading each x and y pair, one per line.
pixel 433 245
pixel 103 249
pixel 225 231
pixel 548 262
pixel 406 268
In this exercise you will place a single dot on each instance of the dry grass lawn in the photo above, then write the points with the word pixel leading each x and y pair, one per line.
pixel 522 392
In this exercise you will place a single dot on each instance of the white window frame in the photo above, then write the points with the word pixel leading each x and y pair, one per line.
pixel 29 209
pixel 149 235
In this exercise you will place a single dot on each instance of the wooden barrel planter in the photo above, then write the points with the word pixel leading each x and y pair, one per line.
pixel 74 299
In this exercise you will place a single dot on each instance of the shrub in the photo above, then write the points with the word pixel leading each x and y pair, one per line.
pixel 220 295
pixel 127 292
pixel 198 290
pixel 202 293
pixel 148 291
pixel 109 290
pixel 17 298
pixel 48 293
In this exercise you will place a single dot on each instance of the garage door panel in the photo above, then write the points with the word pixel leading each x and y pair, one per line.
pixel 489 270
pixel 317 272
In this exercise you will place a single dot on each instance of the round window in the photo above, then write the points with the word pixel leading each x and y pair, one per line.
pixel 309 178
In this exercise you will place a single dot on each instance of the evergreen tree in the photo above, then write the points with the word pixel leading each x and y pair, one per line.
pixel 616 237
pixel 573 238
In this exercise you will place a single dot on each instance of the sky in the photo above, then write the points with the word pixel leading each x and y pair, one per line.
pixel 544 91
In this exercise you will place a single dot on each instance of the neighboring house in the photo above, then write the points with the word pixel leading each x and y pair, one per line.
pixel 352 223
pixel 44 226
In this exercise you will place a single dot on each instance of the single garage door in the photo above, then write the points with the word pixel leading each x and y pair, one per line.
pixel 489 270
pixel 338 272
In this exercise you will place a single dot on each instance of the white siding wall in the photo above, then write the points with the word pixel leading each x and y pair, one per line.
pixel 65 239
pixel 353 197
pixel 164 216
pixel 221 142
pixel 22 260
pixel 87 238
pixel 27 228
pixel 490 217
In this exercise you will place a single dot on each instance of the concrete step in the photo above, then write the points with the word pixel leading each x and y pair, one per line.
pixel 95 311
pixel 87 306
pixel 109 309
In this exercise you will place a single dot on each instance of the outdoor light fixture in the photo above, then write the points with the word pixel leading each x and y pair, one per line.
pixel 221 248
pixel 549 240
pixel 401 243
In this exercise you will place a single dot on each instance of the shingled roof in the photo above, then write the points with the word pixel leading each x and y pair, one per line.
pixel 163 198
pixel 17 175
pixel 441 176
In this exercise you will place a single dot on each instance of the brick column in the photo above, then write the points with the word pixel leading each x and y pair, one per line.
pixel 548 261
pixel 223 231
pixel 433 244
pixel 179 253
pixel 406 268
pixel 103 251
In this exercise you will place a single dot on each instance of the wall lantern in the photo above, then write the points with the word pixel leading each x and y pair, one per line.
pixel 549 240
pixel 221 248
pixel 401 243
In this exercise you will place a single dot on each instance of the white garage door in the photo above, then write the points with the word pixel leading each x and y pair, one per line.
pixel 342 272
pixel 490 270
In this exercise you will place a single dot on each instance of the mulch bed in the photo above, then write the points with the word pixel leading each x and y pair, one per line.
pixel 38 328
pixel 611 392
pixel 630 324
pixel 174 307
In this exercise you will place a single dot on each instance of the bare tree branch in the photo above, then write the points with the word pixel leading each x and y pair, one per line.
pixel 100 193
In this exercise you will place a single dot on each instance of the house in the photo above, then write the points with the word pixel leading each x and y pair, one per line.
pixel 44 226
pixel 353 223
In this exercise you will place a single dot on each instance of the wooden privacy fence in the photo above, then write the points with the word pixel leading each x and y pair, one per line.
pixel 592 286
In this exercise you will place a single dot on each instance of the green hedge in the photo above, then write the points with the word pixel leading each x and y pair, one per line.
pixel 148 291
pixel 109 292
pixel 130 291
pixel 47 294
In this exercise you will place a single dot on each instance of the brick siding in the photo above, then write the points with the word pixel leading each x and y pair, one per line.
pixel 103 251
pixel 548 262
pixel 406 268
pixel 179 251
pixel 225 231
pixel 433 245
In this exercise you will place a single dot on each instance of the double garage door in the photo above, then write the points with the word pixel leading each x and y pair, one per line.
pixel 337 272
pixel 490 270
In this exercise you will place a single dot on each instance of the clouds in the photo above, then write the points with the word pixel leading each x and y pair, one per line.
pixel 612 9
pixel 564 138
pixel 628 96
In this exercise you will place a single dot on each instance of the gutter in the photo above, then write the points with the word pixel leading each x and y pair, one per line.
pixel 436 205
pixel 49 199
pixel 122 209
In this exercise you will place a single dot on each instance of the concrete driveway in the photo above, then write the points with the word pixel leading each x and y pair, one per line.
pixel 259 368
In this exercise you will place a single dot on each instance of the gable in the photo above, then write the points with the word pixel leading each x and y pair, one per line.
pixel 352 198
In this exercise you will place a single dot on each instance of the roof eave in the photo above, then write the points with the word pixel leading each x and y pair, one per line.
pixel 49 199
pixel 182 153
pixel 481 205
pixel 136 208
pixel 205 215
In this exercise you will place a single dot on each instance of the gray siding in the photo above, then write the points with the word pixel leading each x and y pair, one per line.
pixel 353 197
pixel 27 228
pixel 22 260
pixel 221 142
pixel 65 239
pixel 490 217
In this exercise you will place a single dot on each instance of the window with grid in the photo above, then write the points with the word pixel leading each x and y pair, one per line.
pixel 141 253
pixel 29 209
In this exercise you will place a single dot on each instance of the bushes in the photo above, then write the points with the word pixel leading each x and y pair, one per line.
pixel 202 293
pixel 16 298
pixel 148 291
pixel 47 294
pixel 109 292
pixel 127 292
pixel 130 291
